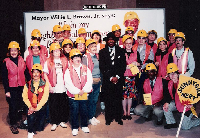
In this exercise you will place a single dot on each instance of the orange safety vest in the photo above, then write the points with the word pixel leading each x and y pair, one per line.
pixel 182 62
pixel 33 97
pixel 78 82
pixel 157 92
pixel 16 75
pixel 147 52
pixel 179 106
pixel 52 70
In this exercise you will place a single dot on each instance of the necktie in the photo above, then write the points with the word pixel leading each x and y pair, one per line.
pixel 151 82
pixel 112 56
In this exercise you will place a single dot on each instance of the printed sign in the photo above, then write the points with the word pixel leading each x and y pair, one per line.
pixel 188 90
pixel 102 20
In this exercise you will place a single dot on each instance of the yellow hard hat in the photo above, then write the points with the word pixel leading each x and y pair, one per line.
pixel 90 41
pixel 115 27
pixel 161 39
pixel 81 31
pixel 131 15
pixel 172 31
pixel 67 41
pixel 37 66
pixel 36 33
pixel 67 27
pixel 13 44
pixel 54 46
pixel 125 37
pixel 180 34
pixel 74 52
pixel 57 28
pixel 95 31
pixel 80 40
pixel 129 28
pixel 152 31
pixel 142 33
pixel 171 67
pixel 35 43
pixel 151 66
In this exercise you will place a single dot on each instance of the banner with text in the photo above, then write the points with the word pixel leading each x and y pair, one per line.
pixel 102 20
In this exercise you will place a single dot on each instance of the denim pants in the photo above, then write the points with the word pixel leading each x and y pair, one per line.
pixel 92 100
pixel 78 107
pixel 36 121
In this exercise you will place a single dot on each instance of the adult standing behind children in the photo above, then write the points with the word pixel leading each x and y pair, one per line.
pixel 14 72
pixel 112 63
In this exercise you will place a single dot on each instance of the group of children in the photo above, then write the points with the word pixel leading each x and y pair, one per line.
pixel 65 82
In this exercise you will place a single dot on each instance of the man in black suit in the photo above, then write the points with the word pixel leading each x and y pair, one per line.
pixel 112 63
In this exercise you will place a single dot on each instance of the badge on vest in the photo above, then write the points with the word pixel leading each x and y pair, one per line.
pixel 40 90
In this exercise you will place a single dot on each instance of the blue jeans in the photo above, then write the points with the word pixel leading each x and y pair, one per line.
pixel 92 100
pixel 36 121
pixel 78 107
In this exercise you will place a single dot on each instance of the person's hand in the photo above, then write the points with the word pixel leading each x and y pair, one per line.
pixel 165 107
pixel 51 90
pixel 157 64
pixel 81 92
pixel 31 110
pixel 8 94
pixel 114 80
pixel 189 105
pixel 128 67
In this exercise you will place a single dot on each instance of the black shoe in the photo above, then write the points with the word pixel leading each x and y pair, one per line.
pixel 108 123
pixel 22 126
pixel 168 126
pixel 159 122
pixel 148 119
pixel 128 117
pixel 124 117
pixel 14 129
pixel 120 122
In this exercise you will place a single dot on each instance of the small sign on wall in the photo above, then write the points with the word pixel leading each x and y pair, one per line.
pixel 90 7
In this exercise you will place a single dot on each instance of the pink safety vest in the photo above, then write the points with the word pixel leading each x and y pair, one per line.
pixel 129 60
pixel 157 93
pixel 90 63
pixel 52 70
pixel 162 70
pixel 78 82
pixel 179 106
pixel 155 47
pixel 16 75
pixel 182 62
pixel 43 50
pixel 147 52
pixel 29 62
pixel 171 47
